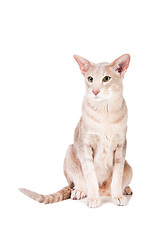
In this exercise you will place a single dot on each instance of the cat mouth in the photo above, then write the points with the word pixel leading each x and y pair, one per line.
pixel 96 98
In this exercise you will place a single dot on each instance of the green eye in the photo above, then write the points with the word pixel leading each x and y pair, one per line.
pixel 106 79
pixel 90 79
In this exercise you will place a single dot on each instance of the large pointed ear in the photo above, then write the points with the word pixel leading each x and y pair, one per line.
pixel 121 64
pixel 83 63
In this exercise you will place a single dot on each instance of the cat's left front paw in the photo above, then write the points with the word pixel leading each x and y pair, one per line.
pixel 93 202
pixel 120 201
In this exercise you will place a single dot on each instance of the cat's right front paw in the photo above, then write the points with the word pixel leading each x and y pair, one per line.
pixel 93 202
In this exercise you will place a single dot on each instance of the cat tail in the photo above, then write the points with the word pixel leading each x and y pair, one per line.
pixel 63 194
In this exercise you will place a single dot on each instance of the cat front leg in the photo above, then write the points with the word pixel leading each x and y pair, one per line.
pixel 116 185
pixel 93 199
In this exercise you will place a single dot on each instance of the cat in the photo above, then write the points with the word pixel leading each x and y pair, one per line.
pixel 95 163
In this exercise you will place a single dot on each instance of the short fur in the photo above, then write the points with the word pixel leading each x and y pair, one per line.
pixel 95 163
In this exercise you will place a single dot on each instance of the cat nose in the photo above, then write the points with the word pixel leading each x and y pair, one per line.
pixel 95 92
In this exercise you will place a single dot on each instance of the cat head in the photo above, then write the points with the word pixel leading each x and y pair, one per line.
pixel 103 80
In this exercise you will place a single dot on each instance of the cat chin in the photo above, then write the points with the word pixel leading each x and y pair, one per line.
pixel 98 99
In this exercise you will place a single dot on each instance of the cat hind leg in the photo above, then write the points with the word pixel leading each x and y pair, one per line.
pixel 74 175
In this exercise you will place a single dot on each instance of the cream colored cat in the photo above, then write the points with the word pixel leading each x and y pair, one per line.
pixel 95 163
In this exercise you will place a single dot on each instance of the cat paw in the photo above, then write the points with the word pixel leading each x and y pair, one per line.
pixel 128 191
pixel 120 201
pixel 77 195
pixel 93 202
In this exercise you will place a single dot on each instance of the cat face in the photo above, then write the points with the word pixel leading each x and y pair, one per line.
pixel 103 80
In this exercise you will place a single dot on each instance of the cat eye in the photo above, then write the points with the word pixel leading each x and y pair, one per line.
pixel 106 78
pixel 90 79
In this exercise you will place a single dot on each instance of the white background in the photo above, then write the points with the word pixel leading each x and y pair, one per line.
pixel 41 91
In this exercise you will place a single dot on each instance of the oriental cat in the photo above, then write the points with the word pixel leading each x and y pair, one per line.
pixel 95 163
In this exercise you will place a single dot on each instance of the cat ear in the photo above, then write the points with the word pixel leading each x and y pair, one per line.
pixel 83 63
pixel 121 64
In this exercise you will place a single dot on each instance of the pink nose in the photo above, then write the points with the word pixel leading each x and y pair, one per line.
pixel 96 92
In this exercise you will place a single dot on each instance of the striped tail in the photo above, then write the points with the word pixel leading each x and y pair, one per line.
pixel 63 194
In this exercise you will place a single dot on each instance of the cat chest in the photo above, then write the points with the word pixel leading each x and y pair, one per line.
pixel 104 135
pixel 104 141
pixel 105 130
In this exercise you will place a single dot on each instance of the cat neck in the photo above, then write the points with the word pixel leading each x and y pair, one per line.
pixel 110 105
